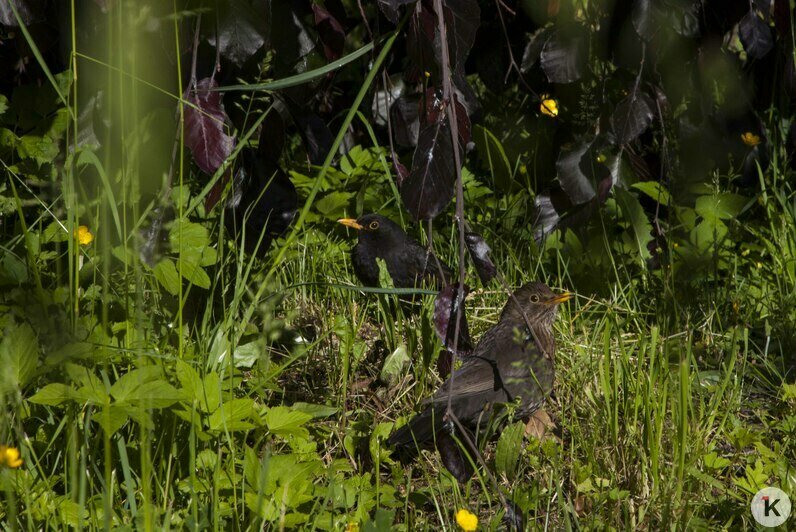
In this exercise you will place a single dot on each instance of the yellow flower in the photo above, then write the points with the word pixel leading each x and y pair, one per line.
pixel 352 527
pixel 84 236
pixel 467 521
pixel 9 456
pixel 750 139
pixel 549 106
pixel 601 158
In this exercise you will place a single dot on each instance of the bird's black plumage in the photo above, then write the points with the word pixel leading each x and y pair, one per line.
pixel 408 263
pixel 510 364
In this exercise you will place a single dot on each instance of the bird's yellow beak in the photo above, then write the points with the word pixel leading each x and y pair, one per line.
pixel 560 298
pixel 350 222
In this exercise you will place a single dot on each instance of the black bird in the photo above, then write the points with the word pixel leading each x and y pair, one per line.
pixel 408 262
pixel 510 364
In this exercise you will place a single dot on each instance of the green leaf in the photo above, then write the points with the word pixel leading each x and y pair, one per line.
pixel 166 273
pixel 193 273
pixel 332 205
pixel 211 392
pixel 19 357
pixel 634 214
pixel 191 382
pixel 382 520
pixel 153 394
pixel 234 414
pixel 714 461
pixel 394 364
pixel 127 383
pixel 284 421
pixel 315 411
pixel 724 206
pixel 491 151
pixel 40 148
pixel 509 449
pixel 13 270
pixel 188 239
pixel 111 419
pixel 654 190
pixel 53 394
pixel 3 104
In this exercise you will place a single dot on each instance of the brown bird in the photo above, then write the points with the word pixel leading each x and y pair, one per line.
pixel 510 364
pixel 408 262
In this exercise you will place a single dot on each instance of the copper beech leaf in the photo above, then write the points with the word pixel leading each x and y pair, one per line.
pixel 445 311
pixel 204 126
pixel 429 187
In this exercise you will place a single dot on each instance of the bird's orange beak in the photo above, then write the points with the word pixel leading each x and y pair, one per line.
pixel 350 222
pixel 560 298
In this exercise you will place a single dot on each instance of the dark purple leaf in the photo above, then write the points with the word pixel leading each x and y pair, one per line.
pixel 314 132
pixel 546 217
pixel 331 32
pixel 289 37
pixel 405 120
pixel 632 116
pixel 578 185
pixel 263 201
pixel 462 18
pixel 155 236
pixel 27 9
pixel 204 127
pixel 444 363
pixel 420 39
pixel 445 311
pixel 755 35
pixel 429 187
pixel 534 48
pixel 242 29
pixel 385 98
pixel 401 173
pixel 479 252
pixel 434 110
pixel 563 59
pixel 390 8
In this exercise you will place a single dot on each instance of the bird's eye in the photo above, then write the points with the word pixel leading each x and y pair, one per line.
pixel 534 298
pixel 374 225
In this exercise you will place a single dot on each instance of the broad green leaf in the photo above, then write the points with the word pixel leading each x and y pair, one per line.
pixel 634 214
pixel 382 520
pixel 714 461
pixel 315 411
pixel 3 104
pixel 394 364
pixel 13 270
pixel 166 273
pixel 110 419
pixel 211 396
pixel 724 206
pixel 53 394
pixel 654 190
pixel 334 203
pixel 127 383
pixel 19 357
pixel 509 449
pixel 194 273
pixel 191 382
pixel 283 421
pixel 154 394
pixel 235 414
pixel 490 150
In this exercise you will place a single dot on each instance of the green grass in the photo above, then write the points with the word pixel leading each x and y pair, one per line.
pixel 254 403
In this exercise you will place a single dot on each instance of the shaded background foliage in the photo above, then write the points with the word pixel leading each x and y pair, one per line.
pixel 668 116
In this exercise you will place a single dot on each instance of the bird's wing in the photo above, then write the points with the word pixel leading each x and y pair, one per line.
pixel 365 266
pixel 425 265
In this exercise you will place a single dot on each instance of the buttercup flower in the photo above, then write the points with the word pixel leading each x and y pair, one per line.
pixel 352 527
pixel 84 236
pixel 9 456
pixel 750 139
pixel 467 521
pixel 549 106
